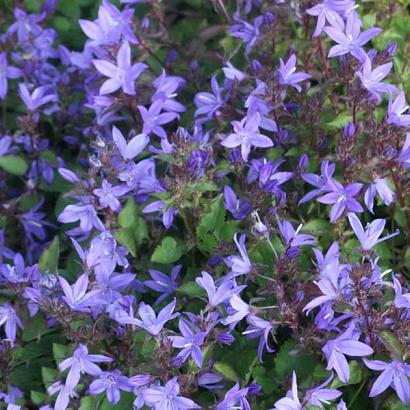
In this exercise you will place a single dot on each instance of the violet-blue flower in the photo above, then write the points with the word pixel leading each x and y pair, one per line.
pixel 190 344
pixel 122 75
pixel 6 71
pixel 394 374
pixel 81 362
pixel 111 383
pixel 288 76
pixel 370 236
pixel 168 397
pixel 246 135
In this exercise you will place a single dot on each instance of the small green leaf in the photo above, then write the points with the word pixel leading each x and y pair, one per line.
pixel 60 352
pixel 126 238
pixel 14 164
pixel 227 371
pixel 38 397
pixel 392 344
pixel 190 289
pixel 128 217
pixel 49 258
pixel 49 375
pixel 169 251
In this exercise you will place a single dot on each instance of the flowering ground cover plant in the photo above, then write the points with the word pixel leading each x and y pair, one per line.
pixel 204 205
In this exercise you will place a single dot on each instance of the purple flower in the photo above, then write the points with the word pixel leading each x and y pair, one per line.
pixel 259 328
pixel 246 134
pixel 239 265
pixel 288 76
pixel 131 149
pixel 372 79
pixel 247 32
pixel 37 98
pixel 370 236
pixel 190 344
pixel 232 73
pixel 400 300
pixel 76 295
pixel 162 283
pixel 341 198
pixel 396 110
pixel 345 344
pixel 112 383
pixel 330 10
pixel 10 321
pixel 237 207
pixel 235 398
pixel 236 312
pixel 108 195
pixel 167 397
pixel 26 25
pixel 64 394
pixel 166 90
pixel 379 186
pixel 291 401
pixel 86 214
pixel 217 295
pixel 293 238
pixel 349 39
pixel 167 213
pixel 394 374
pixel 154 120
pixel 152 323
pixel 123 75
pixel 6 71
pixel 319 395
pixel 208 103
pixel 81 362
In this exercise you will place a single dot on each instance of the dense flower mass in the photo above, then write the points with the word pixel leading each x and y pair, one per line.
pixel 204 205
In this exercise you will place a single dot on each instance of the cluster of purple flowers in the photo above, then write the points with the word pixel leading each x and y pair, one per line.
pixel 181 227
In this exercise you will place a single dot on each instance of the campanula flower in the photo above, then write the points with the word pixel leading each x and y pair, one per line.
pixel 371 79
pixel 111 383
pixel 122 75
pixel 131 149
pixel 167 397
pixel 350 40
pixel 394 374
pixel 6 71
pixel 288 76
pixel 370 236
pixel 217 295
pixel 153 119
pixel 380 187
pixel 345 344
pixel 81 362
pixel 341 197
pixel 246 135
pixel 10 321
pixel 396 111
pixel 76 295
pixel 190 344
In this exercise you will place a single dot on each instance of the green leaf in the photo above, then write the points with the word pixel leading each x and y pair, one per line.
pixel 60 352
pixel 226 371
pixel 169 251
pixel 392 344
pixel 128 217
pixel 190 289
pixel 340 121
pixel 14 164
pixel 38 397
pixel 126 238
pixel 49 258
pixel 49 375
